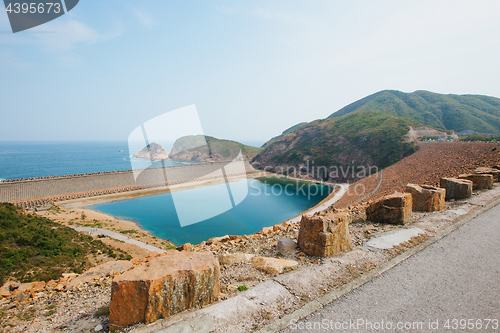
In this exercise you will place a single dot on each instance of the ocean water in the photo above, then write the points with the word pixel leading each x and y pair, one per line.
pixel 267 204
pixel 45 158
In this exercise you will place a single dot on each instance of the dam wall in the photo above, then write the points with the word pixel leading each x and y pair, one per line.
pixel 36 192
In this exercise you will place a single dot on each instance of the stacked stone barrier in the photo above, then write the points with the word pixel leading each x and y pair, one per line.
pixel 39 192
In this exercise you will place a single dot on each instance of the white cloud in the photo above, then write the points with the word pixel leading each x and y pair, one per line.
pixel 144 18
pixel 67 33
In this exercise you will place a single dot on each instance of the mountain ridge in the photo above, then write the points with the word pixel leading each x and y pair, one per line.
pixel 359 140
pixel 478 113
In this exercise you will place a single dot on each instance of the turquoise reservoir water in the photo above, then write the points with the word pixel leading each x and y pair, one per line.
pixel 269 201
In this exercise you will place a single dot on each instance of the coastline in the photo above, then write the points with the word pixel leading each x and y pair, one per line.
pixel 69 212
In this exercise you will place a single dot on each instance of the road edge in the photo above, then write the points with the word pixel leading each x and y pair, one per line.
pixel 319 303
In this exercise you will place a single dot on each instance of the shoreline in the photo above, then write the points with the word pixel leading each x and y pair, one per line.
pixel 74 209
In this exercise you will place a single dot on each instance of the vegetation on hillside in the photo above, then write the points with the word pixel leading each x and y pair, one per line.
pixel 360 138
pixel 201 148
pixel 34 248
pixel 288 130
pixel 480 137
pixel 446 112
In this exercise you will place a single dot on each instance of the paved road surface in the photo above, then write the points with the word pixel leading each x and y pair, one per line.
pixel 455 278
pixel 115 235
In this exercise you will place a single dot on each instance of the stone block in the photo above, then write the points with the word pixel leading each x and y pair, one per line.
pixel 110 268
pixel 184 247
pixel 479 182
pixel 8 287
pixel 489 171
pixel 273 265
pixel 234 258
pixel 393 209
pixel 324 236
pixel 456 189
pixel 426 198
pixel 162 287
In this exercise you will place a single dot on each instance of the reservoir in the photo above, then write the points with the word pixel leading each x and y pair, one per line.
pixel 269 201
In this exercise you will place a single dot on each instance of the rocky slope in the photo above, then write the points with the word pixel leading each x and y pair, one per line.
pixel 153 151
pixel 460 113
pixel 432 161
pixel 200 148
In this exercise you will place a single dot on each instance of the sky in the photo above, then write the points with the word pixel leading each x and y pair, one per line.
pixel 251 68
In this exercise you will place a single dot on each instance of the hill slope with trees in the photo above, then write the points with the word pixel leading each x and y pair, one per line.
pixel 357 140
pixel 464 114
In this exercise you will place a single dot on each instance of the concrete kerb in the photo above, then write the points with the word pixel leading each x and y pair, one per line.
pixel 328 298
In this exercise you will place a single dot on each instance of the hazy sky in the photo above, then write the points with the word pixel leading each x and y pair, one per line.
pixel 252 68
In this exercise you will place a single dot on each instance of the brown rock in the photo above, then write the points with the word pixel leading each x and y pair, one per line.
pixel 393 208
pixel 7 289
pixel 184 247
pixel 282 226
pixel 60 286
pixel 51 285
pixel 479 182
pixel 107 269
pixel 456 189
pixel 273 265
pixel 489 171
pixel 267 230
pixel 37 286
pixel 19 296
pixel 166 285
pixel 234 258
pixel 215 240
pixel 135 261
pixel 426 198
pixel 25 287
pixel 324 236
pixel 286 244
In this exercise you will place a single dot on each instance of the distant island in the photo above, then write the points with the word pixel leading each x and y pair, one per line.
pixel 153 151
pixel 201 148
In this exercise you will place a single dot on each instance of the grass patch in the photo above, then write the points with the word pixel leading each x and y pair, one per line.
pixel 49 313
pixel 35 248
pixel 102 311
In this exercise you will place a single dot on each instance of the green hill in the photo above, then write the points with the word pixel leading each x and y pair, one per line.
pixel 202 148
pixel 288 130
pixel 34 248
pixel 460 113
pixel 360 139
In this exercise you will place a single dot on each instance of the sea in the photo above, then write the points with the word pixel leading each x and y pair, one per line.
pixel 24 159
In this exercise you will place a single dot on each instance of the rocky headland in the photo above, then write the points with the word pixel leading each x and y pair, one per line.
pixel 152 151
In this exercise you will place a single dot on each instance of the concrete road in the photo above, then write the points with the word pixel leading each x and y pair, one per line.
pixel 451 286
pixel 115 235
